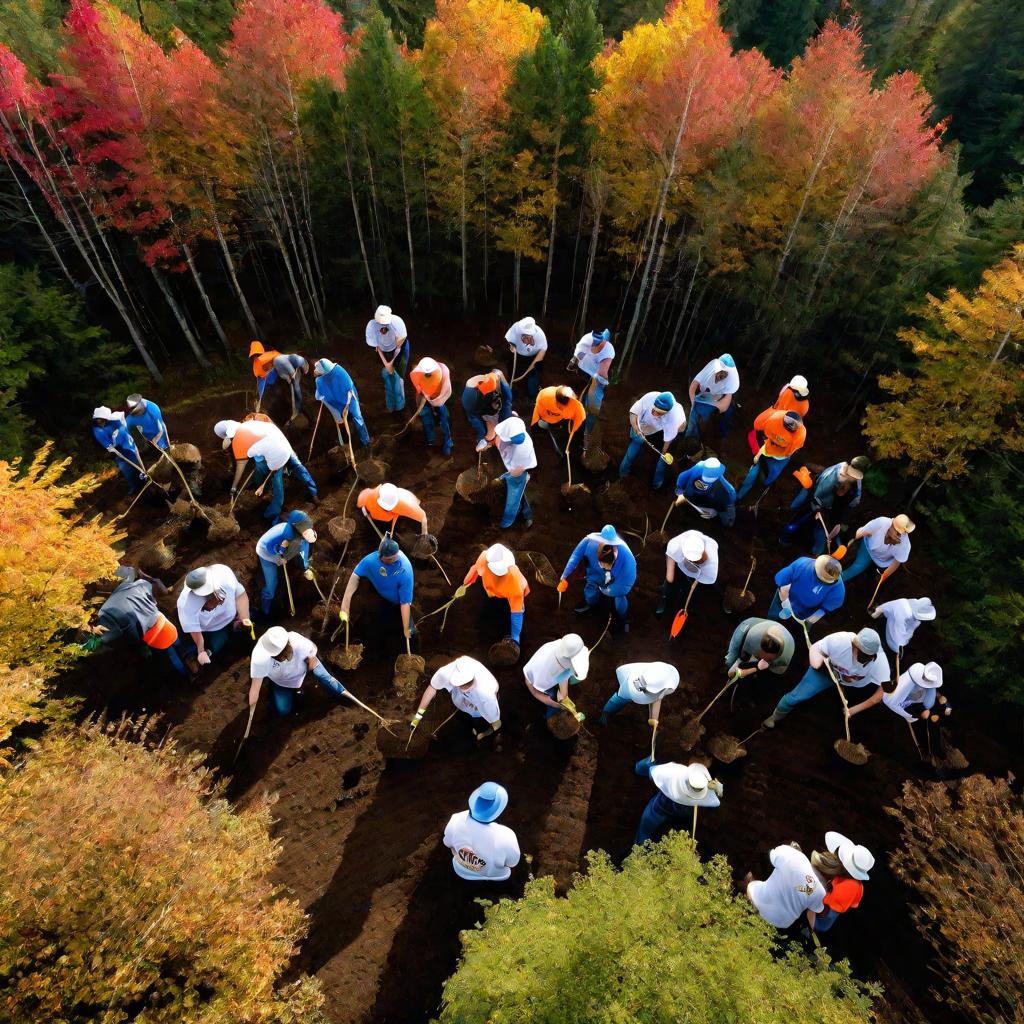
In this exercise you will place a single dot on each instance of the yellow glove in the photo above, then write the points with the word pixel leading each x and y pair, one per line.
pixel 567 704
pixel 461 591
pixel 652 722
pixel 343 615
pixel 309 575
pixel 668 458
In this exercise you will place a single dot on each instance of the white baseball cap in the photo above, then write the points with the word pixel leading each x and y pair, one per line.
pixel 200 582
pixel 274 641
pixel 383 315
pixel 527 324
pixel 463 671
pixel 387 497
pixel 573 650
pixel 499 559
pixel 693 545
pixel 226 428
pixel 102 413
pixel 512 427
pixel 929 676
pixel 428 365
pixel 857 859
pixel 799 385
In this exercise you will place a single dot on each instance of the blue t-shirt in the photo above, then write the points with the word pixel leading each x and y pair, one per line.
pixel 806 592
pixel 334 388
pixel 718 495
pixel 623 571
pixel 393 582
pixel 113 434
pixel 148 421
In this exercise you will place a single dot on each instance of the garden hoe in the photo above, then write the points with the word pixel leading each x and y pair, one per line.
pixel 245 736
pixel 740 600
pixel 681 616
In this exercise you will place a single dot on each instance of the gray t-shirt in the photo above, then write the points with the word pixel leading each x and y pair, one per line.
pixel 130 610
pixel 746 643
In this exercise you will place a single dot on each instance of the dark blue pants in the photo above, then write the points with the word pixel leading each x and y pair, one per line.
pixel 658 813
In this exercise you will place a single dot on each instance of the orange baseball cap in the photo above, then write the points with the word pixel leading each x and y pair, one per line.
pixel 256 349
pixel 488 383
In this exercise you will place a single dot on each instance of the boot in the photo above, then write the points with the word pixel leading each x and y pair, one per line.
pixel 773 719
pixel 666 589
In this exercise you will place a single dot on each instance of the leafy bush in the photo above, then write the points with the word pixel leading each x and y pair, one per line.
pixel 662 940
pixel 963 856
pixel 132 891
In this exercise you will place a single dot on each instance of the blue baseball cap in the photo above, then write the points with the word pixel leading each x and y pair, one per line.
pixel 388 548
pixel 486 802
pixel 711 470
pixel 665 401
pixel 598 336
pixel 727 360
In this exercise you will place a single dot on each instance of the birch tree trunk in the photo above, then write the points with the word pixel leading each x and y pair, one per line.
pixel 359 225
pixel 206 298
pixel 554 220
pixel 408 218
pixel 229 262
pixel 179 315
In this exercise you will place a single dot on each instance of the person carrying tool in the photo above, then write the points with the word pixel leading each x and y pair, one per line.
pixel 290 368
pixel 515 446
pixel 284 657
pixel 883 541
pixel 486 401
pixel 336 389
pixel 757 645
pixel 646 683
pixel 705 487
pixel 592 358
pixel 857 660
pixel 433 383
pixel 262 367
pixel 791 890
pixel 554 667
pixel 390 573
pixel 210 604
pixel 610 569
pixel 501 578
pixel 113 436
pixel 793 397
pixel 145 417
pixel 653 413
pixel 843 870
pixel 681 788
pixel 473 689
pixel 527 339
pixel 713 389
pixel 808 588
pixel 387 503
pixel 918 685
pixel 278 546
pixel 482 850
pixel 131 612
pixel 902 617
pixel 559 405
pixel 784 435
pixel 696 556
pixel 388 334
pixel 833 494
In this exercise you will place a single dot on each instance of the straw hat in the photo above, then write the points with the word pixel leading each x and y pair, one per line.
pixel 903 523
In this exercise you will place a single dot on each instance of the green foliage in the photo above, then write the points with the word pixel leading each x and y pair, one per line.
pixel 665 939
pixel 32 29
pixel 778 28
pixel 205 22
pixel 54 367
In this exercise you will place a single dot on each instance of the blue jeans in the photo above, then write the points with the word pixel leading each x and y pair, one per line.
pixel 355 414
pixel 516 625
pixel 825 920
pixel 126 462
pixel 592 594
pixel 553 694
pixel 284 696
pixel 636 446
pixel 593 401
pixel 701 413
pixel 615 704
pixel 814 681
pixel 263 382
pixel 860 562
pixel 269 584
pixel 658 813
pixel 769 468
pixel 175 653
pixel 427 414
pixel 394 385
pixel 516 505
pixel 277 482
pixel 213 642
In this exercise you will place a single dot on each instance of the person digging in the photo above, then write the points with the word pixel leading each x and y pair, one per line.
pixel 651 414
pixel 691 555
pixel 515 446
pixel 278 546
pixel 713 389
pixel 705 488
pixel 285 657
pixel 918 685
pixel 145 417
pixel 559 405
pixel 486 401
pixel 791 890
pixel 433 383
pixel 681 790
pixel 336 389
pixel 759 645
pixel 482 850
pixel 784 435
pixel 386 504
pixel 114 437
pixel 501 578
pixel 645 683
pixel 387 333
pixel 808 588
pixel 527 341
pixel 843 869
pixel 592 359
pixel 390 573
pixel 212 604
pixel 610 572
pixel 835 492
pixel 473 690
pixel 884 543
pixel 902 617
pixel 555 667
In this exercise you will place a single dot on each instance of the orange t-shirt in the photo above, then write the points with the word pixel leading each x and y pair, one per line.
pixel 548 410
pixel 779 443
pixel 512 586
pixel 408 505
pixel 845 894
pixel 263 363
pixel 789 402
pixel 423 386
pixel 246 436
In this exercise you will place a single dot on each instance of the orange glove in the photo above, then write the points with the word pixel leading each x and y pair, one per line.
pixel 563 586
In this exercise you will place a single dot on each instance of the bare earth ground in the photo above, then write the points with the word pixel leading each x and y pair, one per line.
pixel 361 837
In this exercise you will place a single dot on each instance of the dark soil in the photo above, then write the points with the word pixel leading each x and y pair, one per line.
pixel 361 837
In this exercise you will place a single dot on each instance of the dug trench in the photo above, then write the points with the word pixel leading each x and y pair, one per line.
pixel 361 836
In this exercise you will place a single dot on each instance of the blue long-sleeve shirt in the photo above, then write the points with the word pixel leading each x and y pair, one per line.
pixel 393 582
pixel 807 594
pixel 114 434
pixel 150 422
pixel 334 387
pixel 478 405
pixel 622 572
pixel 718 495
pixel 278 545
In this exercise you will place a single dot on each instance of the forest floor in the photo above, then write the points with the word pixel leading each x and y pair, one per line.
pixel 361 837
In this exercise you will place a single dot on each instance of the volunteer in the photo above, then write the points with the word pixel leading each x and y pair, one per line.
pixel 387 503
pixel 390 572
pixel 210 604
pixel 883 541
pixel 784 435
pixel 486 401
pixel 610 572
pixel 713 389
pixel 113 435
pixel 705 488
pixel 791 890
pixel 696 556
pixel 515 446
pixel 433 383
pixel 501 578
pixel 528 340
pixel 278 546
pixel 758 645
pixel 336 389
pixel 843 870
pixel 262 367
pixel 482 850
pixel 918 685
pixel 593 357
pixel 793 397
pixel 808 588
pixel 559 405
pixel 284 657
pixel 857 659
pixel 145 417
pixel 836 491
pixel 646 683
pixel 681 788
pixel 902 617
pixel 653 413
pixel 387 333
pixel 473 689
pixel 272 366
pixel 554 667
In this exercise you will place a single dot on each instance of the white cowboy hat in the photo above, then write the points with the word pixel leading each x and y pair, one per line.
pixel 691 783
pixel 573 650
pixel 274 641
pixel 499 559
pixel 929 676
pixel 387 497
pixel 102 413
pixel 857 859
pixel 922 608
pixel 383 315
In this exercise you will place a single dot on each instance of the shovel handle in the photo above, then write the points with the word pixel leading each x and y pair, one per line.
pixel 316 427
pixel 245 736
pixel 383 721
pixel 602 636
pixel 729 683
pixel 878 586
pixel 231 507
pixel 753 565
pixel 433 735
pixel 288 587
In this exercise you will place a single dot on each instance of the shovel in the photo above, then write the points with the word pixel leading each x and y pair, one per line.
pixel 740 600
pixel 316 427
pixel 693 833
pixel 660 536
pixel 471 482
pixel 878 586
pixel 248 726
pixel 681 616
pixel 693 730
pixel 726 748
pixel 188 490
pixel 913 736
pixel 238 493
pixel 370 471
pixel 352 655
pixel 665 457
pixel 385 722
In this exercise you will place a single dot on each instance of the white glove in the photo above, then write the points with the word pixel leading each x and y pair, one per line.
pixel 787 609
pixel 482 446
pixel 716 787
pixel 203 658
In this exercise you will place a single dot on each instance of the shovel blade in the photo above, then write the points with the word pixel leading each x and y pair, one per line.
pixel 840 552
pixel 678 622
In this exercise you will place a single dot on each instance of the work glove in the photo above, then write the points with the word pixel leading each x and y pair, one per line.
pixel 925 715
pixel 652 722
pixel 567 703
pixel 787 610
pixel 563 586
pixel 343 616
pixel 416 719
pixel 461 591
pixel 91 644
pixel 308 574
pixel 482 446
pixel 668 458
pixel 716 787
pixel 203 658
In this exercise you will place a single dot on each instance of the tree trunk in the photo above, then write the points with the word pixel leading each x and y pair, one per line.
pixel 676 342
pixel 408 219
pixel 206 298
pixel 464 165
pixel 230 263
pixel 551 236
pixel 359 225
pixel 595 233
pixel 180 317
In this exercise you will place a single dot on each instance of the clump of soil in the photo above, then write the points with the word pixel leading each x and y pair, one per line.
pixel 595 458
pixel 337 459
pixel 504 653
pixel 471 483
pixel 157 557
pixel 690 734
pixel 424 547
pixel 563 725
pixel 371 471
pixel 726 748
pixel 223 524
pixel 341 528
pixel 349 658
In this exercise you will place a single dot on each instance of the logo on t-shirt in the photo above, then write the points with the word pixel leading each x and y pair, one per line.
pixel 470 860
pixel 809 885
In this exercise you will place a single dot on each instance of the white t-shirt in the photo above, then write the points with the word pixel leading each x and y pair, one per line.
pixel 709 390
pixel 670 424
pixel 481 851
pixel 662 775
pixel 789 890
pixel 480 701
pixel 907 692
pixel 706 571
pixel 514 336
pixel 387 343
pixel 288 673
pixel 543 671
pixel 882 554
pixel 191 615
pixel 589 361
pixel 838 648
pixel 658 679
pixel 900 622
pixel 518 456
pixel 273 446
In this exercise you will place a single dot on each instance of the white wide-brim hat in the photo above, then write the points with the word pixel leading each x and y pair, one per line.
pixel 274 641
pixel 689 784
pixel 463 671
pixel 857 859
pixel 387 497
pixel 383 315
pixel 929 676
pixel 693 546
